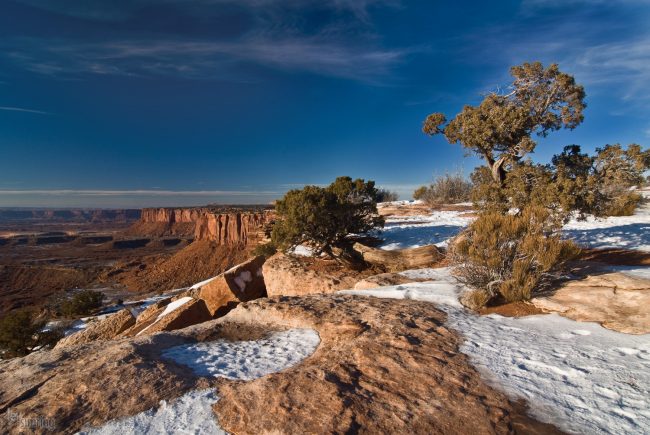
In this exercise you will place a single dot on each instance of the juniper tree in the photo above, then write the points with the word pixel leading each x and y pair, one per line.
pixel 324 217
pixel 501 128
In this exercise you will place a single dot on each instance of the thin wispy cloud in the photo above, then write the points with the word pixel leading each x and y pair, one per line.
pixel 22 109
pixel 601 61
pixel 205 59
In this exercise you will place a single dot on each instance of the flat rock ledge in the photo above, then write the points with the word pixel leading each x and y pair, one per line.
pixel 383 366
pixel 615 300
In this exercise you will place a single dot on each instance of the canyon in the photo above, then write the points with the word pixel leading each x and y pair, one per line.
pixel 46 253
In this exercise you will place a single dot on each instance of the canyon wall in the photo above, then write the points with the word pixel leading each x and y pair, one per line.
pixel 223 226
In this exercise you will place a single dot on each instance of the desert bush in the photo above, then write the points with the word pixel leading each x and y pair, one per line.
pixel 81 303
pixel 602 185
pixel 447 189
pixel 385 195
pixel 616 171
pixel 21 332
pixel 510 256
pixel 265 249
pixel 324 217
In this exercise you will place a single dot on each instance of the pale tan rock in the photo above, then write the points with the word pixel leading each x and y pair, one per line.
pixel 382 280
pixel 105 329
pixel 382 366
pixel 293 276
pixel 400 259
pixel 242 283
pixel 615 300
pixel 152 310
pixel 191 313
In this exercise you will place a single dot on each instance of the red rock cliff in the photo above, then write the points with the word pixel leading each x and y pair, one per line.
pixel 232 228
pixel 226 227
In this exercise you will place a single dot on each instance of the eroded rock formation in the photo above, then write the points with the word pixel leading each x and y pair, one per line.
pixel 383 366
pixel 219 225
pixel 615 300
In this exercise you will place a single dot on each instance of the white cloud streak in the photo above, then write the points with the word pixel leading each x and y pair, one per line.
pixel 205 59
pixel 20 109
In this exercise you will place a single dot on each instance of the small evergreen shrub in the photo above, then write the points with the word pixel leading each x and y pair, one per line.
pixel 265 250
pixel 81 303
pixel 20 333
pixel 448 189
pixel 510 256
pixel 324 217
pixel 385 195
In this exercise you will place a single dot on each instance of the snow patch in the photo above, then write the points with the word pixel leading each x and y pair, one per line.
pixel 242 279
pixel 245 360
pixel 189 414
pixel 438 228
pixel 303 251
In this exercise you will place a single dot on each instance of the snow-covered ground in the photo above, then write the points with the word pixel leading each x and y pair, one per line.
pixel 245 360
pixel 413 231
pixel 623 232
pixel 628 232
pixel 579 376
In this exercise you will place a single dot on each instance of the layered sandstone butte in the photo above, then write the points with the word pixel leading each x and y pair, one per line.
pixel 232 228
pixel 221 225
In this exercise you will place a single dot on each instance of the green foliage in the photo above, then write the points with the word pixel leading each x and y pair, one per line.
pixel 20 333
pixel 501 128
pixel 447 189
pixel 575 182
pixel 510 256
pixel 324 217
pixel 81 303
pixel 615 171
pixel 385 195
pixel 265 250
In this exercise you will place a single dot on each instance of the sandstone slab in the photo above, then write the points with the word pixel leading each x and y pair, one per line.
pixel 615 300
pixel 242 283
pixel 294 276
pixel 383 366
pixel 382 280
pixel 106 329
pixel 400 259
pixel 188 313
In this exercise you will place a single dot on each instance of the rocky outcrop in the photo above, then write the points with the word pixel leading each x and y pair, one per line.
pixel 615 300
pixel 294 276
pixel 219 225
pixel 382 366
pixel 242 283
pixel 232 228
pixel 99 330
pixel 401 259
pixel 191 312
pixel 382 280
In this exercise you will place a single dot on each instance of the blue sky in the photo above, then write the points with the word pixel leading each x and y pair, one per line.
pixel 182 102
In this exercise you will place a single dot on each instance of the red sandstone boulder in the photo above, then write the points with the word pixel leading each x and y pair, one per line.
pixel 179 314
pixel 287 275
pixel 242 283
